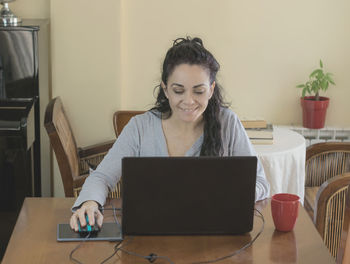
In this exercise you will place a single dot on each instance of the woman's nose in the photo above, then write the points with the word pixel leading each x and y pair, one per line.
pixel 188 98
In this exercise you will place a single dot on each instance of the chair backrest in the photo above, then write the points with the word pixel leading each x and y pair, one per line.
pixel 121 118
pixel 326 160
pixel 329 212
pixel 63 143
pixel 344 248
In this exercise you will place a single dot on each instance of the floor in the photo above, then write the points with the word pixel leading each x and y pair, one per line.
pixel 7 223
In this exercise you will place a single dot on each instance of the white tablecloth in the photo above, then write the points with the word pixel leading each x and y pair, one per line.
pixel 284 162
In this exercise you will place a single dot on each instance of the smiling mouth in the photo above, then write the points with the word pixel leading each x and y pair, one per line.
pixel 188 109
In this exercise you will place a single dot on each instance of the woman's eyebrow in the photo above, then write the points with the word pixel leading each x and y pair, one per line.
pixel 176 84
pixel 180 85
pixel 199 85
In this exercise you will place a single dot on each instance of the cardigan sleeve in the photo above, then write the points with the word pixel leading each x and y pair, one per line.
pixel 108 172
pixel 239 145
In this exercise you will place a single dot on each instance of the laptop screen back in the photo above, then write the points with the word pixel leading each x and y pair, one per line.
pixel 188 195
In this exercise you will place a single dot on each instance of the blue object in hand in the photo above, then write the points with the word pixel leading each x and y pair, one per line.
pixel 88 227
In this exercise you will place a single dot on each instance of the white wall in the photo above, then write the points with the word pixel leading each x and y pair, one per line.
pixel 31 8
pixel 107 56
pixel 265 48
pixel 86 66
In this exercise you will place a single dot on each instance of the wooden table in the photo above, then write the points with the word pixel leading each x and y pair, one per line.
pixel 34 241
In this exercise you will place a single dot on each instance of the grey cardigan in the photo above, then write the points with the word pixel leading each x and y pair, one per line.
pixel 143 136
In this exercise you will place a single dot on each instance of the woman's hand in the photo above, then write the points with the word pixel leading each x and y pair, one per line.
pixel 91 209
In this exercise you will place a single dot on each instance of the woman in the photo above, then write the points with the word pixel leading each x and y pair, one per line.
pixel 189 119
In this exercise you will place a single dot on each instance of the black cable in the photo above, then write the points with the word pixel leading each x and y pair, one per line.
pixel 151 257
pixel 242 248
pixel 110 209
pixel 115 252
pixel 71 253
pixel 115 216
pixel 116 247
pixel 88 235
pixel 116 209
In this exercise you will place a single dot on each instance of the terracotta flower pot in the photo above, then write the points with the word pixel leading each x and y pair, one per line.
pixel 314 112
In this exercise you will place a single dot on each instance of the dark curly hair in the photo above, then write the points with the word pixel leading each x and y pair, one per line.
pixel 191 51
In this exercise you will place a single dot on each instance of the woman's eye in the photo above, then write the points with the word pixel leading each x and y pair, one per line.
pixel 178 92
pixel 199 92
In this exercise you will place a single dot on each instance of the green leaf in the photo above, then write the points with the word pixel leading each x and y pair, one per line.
pixel 320 75
pixel 328 77
pixel 315 72
pixel 308 90
pixel 318 80
pixel 314 87
pixel 331 80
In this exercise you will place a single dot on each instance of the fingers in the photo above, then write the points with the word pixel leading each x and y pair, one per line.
pixel 81 216
pixel 89 208
pixel 91 215
pixel 99 218
pixel 78 216
pixel 73 222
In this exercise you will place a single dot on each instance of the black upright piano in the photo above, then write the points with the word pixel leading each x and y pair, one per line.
pixel 21 115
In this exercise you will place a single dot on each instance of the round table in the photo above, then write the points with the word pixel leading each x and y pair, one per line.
pixel 284 162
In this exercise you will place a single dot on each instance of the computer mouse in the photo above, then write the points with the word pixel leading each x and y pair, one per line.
pixel 88 228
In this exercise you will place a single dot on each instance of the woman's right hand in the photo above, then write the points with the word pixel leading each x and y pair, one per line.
pixel 91 209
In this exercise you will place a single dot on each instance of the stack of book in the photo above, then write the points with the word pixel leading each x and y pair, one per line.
pixel 258 131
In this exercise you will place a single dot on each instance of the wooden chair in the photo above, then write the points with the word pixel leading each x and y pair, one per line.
pixel 344 248
pixel 326 185
pixel 74 163
pixel 121 118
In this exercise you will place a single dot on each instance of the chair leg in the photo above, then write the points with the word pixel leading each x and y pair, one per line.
pixel 309 210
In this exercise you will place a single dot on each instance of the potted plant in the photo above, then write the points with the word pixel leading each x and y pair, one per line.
pixel 315 106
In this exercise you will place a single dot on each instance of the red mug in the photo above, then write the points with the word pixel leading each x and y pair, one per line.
pixel 284 209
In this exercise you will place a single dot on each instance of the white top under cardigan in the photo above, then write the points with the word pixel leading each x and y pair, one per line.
pixel 143 136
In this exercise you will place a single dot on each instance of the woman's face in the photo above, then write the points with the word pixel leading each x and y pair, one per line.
pixel 188 90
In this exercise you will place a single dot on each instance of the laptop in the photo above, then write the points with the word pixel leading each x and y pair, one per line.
pixel 188 195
